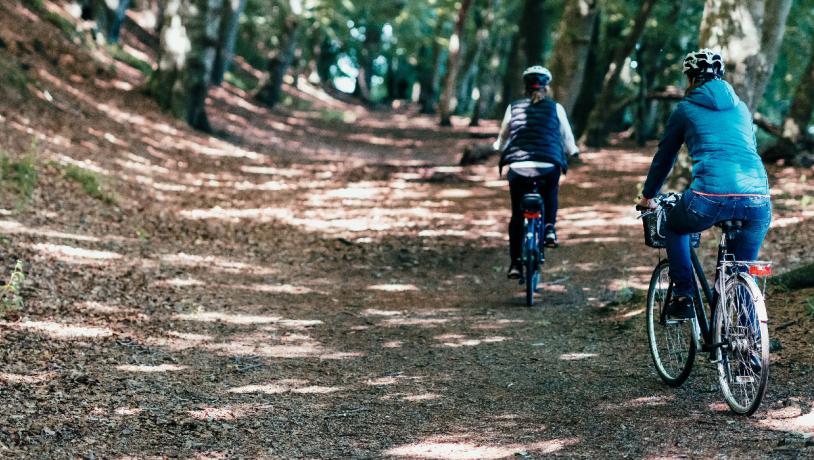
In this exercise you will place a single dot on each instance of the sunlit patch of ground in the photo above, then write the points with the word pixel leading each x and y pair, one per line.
pixel 458 448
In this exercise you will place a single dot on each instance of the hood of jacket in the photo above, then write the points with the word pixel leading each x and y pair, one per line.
pixel 714 95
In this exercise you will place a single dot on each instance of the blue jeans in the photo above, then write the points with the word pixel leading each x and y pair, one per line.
pixel 695 213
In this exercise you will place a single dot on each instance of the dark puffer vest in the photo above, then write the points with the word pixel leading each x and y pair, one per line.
pixel 534 134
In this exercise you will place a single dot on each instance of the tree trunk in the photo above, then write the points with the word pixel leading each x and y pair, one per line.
pixel 474 60
pixel 748 33
pixel 568 60
pixel 364 79
pixel 794 143
pixel 527 49
pixel 795 125
pixel 181 81
pixel 591 81
pixel 278 65
pixel 596 129
pixel 109 16
pixel 230 22
pixel 453 64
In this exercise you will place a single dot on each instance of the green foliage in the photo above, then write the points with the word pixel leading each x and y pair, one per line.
pixel 338 116
pixel 90 182
pixel 13 77
pixel 799 278
pixel 809 307
pixel 123 56
pixel 20 174
pixel 36 6
pixel 241 80
pixel 67 27
pixel 11 299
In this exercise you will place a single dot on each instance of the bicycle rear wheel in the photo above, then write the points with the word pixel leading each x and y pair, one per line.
pixel 672 345
pixel 532 275
pixel 743 357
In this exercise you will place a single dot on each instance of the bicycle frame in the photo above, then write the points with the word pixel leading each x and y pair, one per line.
pixel 703 328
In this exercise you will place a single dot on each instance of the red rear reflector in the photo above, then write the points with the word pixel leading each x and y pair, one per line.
pixel 760 270
pixel 531 215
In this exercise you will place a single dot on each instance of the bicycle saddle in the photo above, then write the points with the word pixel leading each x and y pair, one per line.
pixel 532 202
pixel 729 225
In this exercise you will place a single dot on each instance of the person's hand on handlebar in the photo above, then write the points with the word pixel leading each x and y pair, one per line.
pixel 646 204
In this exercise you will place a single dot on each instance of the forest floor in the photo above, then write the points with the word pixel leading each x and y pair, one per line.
pixel 321 281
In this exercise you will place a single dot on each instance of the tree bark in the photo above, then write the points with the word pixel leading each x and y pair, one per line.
pixel 373 35
pixel 596 130
pixel 109 16
pixel 794 143
pixel 749 34
pixel 181 81
pixel 568 60
pixel 230 22
pixel 527 49
pixel 453 64
pixel 278 65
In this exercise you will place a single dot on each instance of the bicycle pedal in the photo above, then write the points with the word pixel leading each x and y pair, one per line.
pixel 743 379
pixel 675 322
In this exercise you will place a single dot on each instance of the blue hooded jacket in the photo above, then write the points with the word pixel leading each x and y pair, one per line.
pixel 720 137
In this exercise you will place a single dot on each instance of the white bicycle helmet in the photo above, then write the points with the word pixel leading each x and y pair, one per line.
pixel 537 76
pixel 704 63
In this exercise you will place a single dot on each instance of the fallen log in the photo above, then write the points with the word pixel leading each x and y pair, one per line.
pixel 477 154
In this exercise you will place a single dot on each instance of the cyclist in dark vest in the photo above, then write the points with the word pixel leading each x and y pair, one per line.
pixel 729 181
pixel 536 141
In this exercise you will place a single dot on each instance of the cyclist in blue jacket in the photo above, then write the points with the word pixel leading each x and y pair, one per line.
pixel 728 177
pixel 535 141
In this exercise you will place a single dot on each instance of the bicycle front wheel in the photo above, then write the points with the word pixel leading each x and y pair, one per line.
pixel 743 353
pixel 672 345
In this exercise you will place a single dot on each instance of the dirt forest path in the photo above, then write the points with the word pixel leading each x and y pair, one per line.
pixel 323 283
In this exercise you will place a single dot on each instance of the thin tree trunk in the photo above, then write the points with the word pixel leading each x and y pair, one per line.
pixel 591 82
pixel 278 65
pixel 230 21
pixel 802 105
pixel 793 138
pixel 527 49
pixel 109 16
pixel 749 34
pixel 181 81
pixel 365 76
pixel 596 130
pixel 568 60
pixel 453 64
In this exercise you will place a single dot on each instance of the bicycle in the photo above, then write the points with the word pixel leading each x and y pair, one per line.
pixel 533 249
pixel 735 335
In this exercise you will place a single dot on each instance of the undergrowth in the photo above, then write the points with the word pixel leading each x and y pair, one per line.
pixel 11 298
pixel 19 175
pixel 12 76
pixel 90 183
pixel 123 56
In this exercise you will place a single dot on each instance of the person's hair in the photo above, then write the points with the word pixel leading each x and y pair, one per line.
pixel 700 80
pixel 537 95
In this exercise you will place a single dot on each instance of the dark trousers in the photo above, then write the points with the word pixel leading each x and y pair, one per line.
pixel 547 185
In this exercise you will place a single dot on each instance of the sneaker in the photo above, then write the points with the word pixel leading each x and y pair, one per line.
pixel 515 271
pixel 550 237
pixel 681 308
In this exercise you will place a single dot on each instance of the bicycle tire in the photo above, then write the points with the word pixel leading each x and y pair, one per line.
pixel 532 275
pixel 672 345
pixel 746 345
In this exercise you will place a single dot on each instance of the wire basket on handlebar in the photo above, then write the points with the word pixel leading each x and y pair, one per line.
pixel 655 222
